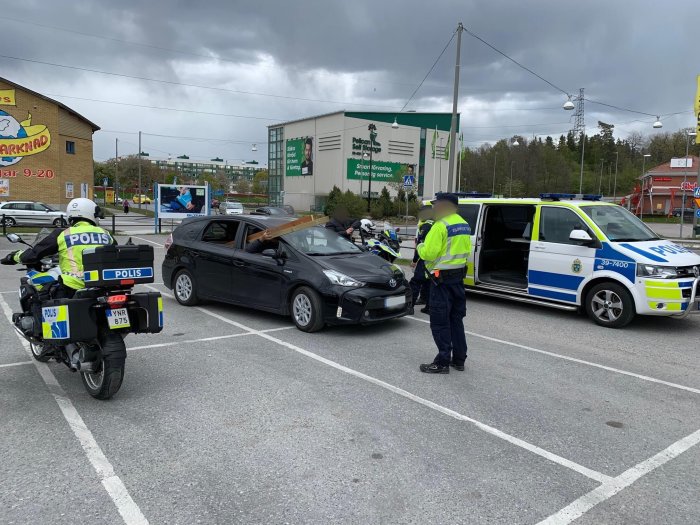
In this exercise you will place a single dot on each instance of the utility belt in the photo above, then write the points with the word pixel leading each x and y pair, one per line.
pixel 438 275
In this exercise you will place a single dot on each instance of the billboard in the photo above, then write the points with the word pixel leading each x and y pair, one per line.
pixel 299 157
pixel 4 188
pixel 382 171
pixel 175 201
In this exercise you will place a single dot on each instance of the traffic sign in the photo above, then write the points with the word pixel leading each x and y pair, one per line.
pixel 409 180
pixel 697 213
pixel 105 181
pixel 696 192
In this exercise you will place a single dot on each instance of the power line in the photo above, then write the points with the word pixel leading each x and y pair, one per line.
pixel 429 71
pixel 174 83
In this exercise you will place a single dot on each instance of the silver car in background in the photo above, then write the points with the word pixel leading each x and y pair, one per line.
pixel 29 212
pixel 231 208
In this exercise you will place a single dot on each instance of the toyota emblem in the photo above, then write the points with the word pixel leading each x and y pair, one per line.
pixel 393 283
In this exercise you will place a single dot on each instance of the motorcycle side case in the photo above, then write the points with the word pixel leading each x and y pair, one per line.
pixel 115 266
pixel 66 321
pixel 146 316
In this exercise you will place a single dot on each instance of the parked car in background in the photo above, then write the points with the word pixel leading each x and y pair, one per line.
pixel 313 275
pixel 688 212
pixel 141 199
pixel 29 212
pixel 231 208
pixel 273 211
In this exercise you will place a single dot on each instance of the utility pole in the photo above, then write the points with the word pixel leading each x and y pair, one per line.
pixel 617 158
pixel 453 126
pixel 140 193
pixel 116 166
pixel 493 183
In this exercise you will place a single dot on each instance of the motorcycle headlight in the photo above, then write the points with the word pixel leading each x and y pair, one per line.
pixel 657 272
pixel 341 279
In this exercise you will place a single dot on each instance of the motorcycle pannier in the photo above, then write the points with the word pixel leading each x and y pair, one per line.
pixel 68 320
pixel 146 312
pixel 117 266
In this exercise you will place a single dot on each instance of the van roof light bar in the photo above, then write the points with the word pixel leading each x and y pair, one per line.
pixel 557 196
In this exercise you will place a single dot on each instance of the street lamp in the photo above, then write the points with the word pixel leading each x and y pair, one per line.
pixel 658 123
pixel 365 157
pixel 568 105
pixel 372 135
pixel 685 178
pixel 254 148
pixel 395 125
pixel 510 195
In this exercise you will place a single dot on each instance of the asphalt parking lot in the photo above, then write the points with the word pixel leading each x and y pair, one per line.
pixel 234 416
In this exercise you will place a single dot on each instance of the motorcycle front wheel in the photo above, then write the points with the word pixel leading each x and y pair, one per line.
pixel 109 373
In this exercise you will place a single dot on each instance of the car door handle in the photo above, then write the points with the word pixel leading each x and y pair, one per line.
pixel 538 247
pixel 238 263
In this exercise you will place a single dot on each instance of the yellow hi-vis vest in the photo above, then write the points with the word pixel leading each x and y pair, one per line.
pixel 447 245
pixel 71 244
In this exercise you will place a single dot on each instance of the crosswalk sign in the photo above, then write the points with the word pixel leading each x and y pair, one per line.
pixel 696 192
pixel 409 181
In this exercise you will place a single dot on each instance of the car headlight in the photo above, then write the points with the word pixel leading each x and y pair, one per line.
pixel 341 279
pixel 657 272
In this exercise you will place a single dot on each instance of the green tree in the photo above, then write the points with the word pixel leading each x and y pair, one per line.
pixel 260 182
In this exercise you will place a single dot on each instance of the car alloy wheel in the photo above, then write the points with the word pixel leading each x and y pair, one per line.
pixel 302 310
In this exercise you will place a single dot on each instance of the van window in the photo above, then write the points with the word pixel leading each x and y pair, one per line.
pixel 469 213
pixel 556 225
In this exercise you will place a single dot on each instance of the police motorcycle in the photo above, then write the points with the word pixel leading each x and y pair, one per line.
pixel 86 332
pixel 390 236
pixel 374 243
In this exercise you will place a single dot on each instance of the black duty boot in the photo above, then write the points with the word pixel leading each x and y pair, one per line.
pixel 457 367
pixel 425 310
pixel 434 368
pixel 420 301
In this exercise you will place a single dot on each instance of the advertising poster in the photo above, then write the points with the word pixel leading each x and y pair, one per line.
pixel 69 190
pixel 299 160
pixel 4 188
pixel 179 202
pixel 382 171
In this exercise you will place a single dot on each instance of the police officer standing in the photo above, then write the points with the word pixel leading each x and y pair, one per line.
pixel 419 283
pixel 445 252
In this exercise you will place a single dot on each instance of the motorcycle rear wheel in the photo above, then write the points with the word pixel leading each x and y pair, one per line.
pixel 107 380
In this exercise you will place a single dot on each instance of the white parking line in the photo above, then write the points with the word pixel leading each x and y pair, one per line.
pixel 205 339
pixel 127 507
pixel 585 471
pixel 609 488
pixel 8 365
pixel 146 240
pixel 575 360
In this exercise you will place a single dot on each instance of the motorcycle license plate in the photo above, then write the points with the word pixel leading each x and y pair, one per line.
pixel 394 302
pixel 118 318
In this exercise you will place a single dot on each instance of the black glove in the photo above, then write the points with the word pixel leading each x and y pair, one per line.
pixel 9 258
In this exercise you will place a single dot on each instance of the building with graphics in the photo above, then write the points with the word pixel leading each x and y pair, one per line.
pixel 307 157
pixel 662 188
pixel 45 148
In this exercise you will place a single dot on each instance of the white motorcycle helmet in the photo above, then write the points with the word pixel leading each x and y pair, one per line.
pixel 367 226
pixel 83 209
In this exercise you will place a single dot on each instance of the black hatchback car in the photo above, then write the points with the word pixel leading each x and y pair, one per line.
pixel 314 275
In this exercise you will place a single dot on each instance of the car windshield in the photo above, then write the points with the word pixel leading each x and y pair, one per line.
pixel 234 205
pixel 320 241
pixel 618 224
pixel 46 206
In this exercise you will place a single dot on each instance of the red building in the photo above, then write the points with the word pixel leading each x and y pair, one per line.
pixel 661 188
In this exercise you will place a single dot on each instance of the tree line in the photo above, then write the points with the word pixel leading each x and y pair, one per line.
pixel 553 165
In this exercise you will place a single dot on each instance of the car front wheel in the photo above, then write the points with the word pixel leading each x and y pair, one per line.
pixel 184 288
pixel 60 223
pixel 307 310
pixel 610 305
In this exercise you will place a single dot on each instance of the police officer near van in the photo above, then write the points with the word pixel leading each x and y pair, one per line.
pixel 419 283
pixel 445 252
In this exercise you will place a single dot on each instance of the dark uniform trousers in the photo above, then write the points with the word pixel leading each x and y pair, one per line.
pixel 448 307
pixel 420 283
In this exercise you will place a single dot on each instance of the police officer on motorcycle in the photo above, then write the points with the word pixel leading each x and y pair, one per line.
pixel 419 283
pixel 83 232
pixel 445 252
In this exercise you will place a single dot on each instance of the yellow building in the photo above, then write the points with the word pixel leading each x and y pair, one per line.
pixel 45 148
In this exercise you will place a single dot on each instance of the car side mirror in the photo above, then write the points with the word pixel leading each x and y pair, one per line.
pixel 13 237
pixel 270 252
pixel 580 236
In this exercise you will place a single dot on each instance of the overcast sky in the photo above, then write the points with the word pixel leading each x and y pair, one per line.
pixel 364 54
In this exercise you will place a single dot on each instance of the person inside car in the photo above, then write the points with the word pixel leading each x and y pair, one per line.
pixel 342 224
pixel 265 242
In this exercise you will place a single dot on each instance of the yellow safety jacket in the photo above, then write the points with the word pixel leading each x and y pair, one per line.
pixel 447 245
pixel 71 244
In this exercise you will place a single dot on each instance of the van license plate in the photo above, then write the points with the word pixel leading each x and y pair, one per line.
pixel 393 302
pixel 118 318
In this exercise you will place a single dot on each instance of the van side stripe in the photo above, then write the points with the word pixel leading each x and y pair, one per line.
pixel 549 294
pixel 645 253
pixel 555 280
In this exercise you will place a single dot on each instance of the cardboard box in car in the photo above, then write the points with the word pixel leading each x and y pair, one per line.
pixel 112 266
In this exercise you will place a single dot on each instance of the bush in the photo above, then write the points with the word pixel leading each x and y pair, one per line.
pixel 356 205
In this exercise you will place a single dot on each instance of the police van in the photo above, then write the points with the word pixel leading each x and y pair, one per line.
pixel 577 252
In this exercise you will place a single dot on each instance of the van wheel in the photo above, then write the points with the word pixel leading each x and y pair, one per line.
pixel 184 288
pixel 610 305
pixel 307 312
